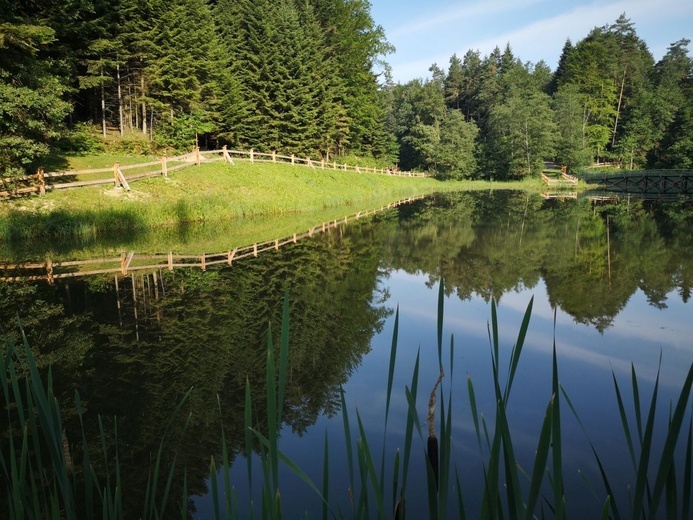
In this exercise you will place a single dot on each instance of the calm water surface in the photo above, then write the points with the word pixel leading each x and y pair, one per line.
pixel 617 278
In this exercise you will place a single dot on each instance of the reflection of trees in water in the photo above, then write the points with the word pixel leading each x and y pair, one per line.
pixel 133 350
pixel 487 244
pixel 156 336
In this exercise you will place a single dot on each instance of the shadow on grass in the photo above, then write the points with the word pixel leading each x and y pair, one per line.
pixel 23 234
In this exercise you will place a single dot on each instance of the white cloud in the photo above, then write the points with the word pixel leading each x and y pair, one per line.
pixel 461 12
pixel 658 23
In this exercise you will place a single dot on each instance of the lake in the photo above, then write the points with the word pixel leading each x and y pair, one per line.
pixel 610 285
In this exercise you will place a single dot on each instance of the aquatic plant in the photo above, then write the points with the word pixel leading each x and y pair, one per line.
pixel 46 478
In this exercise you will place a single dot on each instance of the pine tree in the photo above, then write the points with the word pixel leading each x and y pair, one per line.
pixel 454 83
pixel 32 95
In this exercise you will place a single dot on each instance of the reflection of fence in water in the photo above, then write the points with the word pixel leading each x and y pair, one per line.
pixel 129 262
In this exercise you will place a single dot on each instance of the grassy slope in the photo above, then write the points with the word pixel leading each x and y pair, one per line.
pixel 215 193
pixel 219 191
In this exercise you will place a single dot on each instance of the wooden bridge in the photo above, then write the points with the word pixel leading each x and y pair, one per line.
pixel 128 262
pixel 659 183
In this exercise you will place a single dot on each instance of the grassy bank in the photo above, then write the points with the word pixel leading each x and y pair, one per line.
pixel 213 192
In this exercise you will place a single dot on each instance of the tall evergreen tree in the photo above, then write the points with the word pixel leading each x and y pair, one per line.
pixel 357 45
pixel 33 102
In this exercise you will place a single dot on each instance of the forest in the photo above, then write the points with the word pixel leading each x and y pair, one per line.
pixel 310 77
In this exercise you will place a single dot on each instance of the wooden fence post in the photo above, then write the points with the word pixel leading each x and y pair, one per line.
pixel 41 181
pixel 123 181
pixel 251 156
pixel 334 165
pixel 322 164
pixel 197 156
pixel 227 156
pixel 116 166
pixel 49 271
pixel 274 155
pixel 164 168
pixel 293 159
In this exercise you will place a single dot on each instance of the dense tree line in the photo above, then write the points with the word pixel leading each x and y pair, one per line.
pixel 299 77
pixel 606 101
pixel 289 75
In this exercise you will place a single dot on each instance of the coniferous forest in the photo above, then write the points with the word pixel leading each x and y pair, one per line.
pixel 310 77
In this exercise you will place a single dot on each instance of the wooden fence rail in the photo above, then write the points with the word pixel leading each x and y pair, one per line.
pixel 130 261
pixel 565 180
pixel 41 182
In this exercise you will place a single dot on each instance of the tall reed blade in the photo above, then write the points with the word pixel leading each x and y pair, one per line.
pixel 624 420
pixel 441 300
pixel 412 420
pixel 687 484
pixel 325 478
pixel 641 481
pixel 272 425
pixel 283 355
pixel 347 439
pixel 247 429
pixel 51 424
pixel 517 349
pixel 667 458
pixel 556 436
pixel 388 396
pixel 542 454
pixel 378 489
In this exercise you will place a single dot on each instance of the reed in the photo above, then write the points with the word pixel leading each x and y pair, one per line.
pixel 46 479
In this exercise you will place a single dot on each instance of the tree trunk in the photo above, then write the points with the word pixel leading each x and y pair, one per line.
pixel 618 108
pixel 121 122
pixel 103 106
pixel 144 107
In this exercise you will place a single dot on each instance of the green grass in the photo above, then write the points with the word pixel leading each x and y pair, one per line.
pixel 41 485
pixel 212 193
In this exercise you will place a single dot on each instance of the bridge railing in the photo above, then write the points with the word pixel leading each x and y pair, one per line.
pixel 588 175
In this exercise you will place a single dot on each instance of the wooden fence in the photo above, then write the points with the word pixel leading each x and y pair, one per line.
pixel 130 261
pixel 44 181
pixel 565 180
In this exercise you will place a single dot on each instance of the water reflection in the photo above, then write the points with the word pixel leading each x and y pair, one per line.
pixel 132 346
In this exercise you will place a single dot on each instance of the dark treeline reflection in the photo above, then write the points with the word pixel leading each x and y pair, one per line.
pixel 132 346
pixel 132 350
pixel 592 256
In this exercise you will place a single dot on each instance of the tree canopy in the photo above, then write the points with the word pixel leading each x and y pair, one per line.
pixel 309 77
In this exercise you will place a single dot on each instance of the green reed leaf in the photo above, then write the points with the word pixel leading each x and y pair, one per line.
pixel 542 454
pixel 673 432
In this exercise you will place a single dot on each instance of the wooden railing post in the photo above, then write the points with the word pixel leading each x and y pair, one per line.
pixel 49 271
pixel 251 155
pixel 274 156
pixel 41 181
pixel 197 156
pixel 227 156
pixel 293 159
pixel 116 166
pixel 164 167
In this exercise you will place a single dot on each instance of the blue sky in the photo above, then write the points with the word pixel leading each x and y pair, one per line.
pixel 430 31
